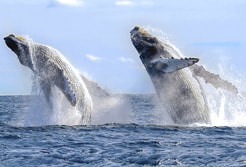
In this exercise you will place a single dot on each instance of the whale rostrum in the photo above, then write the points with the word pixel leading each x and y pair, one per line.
pixel 175 78
pixel 52 69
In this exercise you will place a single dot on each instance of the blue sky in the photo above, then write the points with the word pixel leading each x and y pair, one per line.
pixel 94 37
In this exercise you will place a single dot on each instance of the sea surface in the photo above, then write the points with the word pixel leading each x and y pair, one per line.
pixel 142 140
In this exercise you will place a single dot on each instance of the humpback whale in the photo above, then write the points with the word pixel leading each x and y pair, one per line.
pixel 175 78
pixel 53 70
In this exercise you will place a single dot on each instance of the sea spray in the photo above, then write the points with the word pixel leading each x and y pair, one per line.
pixel 112 109
pixel 40 112
pixel 160 115
pixel 227 109
pixel 108 107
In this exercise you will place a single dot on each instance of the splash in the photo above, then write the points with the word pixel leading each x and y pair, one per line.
pixel 40 113
pixel 112 109
pixel 227 109
pixel 108 107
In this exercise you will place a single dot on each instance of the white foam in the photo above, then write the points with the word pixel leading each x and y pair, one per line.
pixel 40 113
pixel 112 109
pixel 230 111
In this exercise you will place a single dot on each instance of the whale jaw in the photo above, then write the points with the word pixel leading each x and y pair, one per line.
pixel 153 54
pixel 144 43
pixel 11 43
pixel 20 47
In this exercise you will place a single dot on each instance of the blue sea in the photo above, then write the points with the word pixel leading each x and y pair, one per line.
pixel 136 139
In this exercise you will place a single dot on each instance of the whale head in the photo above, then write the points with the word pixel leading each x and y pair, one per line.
pixel 19 45
pixel 145 43
pixel 158 57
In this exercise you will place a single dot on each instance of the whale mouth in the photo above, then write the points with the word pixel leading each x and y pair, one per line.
pixel 141 35
pixel 12 42
pixel 143 41
pixel 19 46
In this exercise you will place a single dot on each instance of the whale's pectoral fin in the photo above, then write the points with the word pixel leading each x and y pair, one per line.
pixel 63 83
pixel 213 79
pixel 167 65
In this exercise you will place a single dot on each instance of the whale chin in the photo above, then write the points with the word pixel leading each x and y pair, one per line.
pixel 11 42
pixel 20 47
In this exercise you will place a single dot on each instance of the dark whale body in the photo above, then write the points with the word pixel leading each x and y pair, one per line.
pixel 53 70
pixel 175 78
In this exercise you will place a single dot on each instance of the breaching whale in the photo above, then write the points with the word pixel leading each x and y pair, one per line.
pixel 175 78
pixel 53 70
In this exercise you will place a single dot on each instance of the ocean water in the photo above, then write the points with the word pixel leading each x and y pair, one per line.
pixel 144 138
